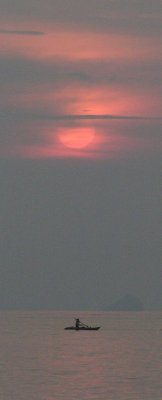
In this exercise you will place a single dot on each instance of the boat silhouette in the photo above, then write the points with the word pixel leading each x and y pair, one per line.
pixel 80 326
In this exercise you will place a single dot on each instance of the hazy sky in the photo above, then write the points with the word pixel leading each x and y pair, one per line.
pixel 80 152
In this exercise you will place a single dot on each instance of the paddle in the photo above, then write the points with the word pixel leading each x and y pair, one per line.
pixel 81 323
pixel 84 324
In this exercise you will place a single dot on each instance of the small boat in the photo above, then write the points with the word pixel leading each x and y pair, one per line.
pixel 79 326
pixel 83 328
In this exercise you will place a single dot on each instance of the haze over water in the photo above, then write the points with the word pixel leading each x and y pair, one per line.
pixel 39 360
pixel 80 153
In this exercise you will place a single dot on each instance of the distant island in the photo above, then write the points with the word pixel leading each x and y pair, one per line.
pixel 126 303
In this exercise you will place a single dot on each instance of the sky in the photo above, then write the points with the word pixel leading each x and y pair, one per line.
pixel 80 153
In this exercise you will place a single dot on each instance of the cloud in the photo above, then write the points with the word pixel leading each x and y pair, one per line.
pixel 19 113
pixel 138 16
pixel 80 73
pixel 21 70
pixel 21 32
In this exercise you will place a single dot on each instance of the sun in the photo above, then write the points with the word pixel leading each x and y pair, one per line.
pixel 76 138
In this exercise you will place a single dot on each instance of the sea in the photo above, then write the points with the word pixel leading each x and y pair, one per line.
pixel 39 360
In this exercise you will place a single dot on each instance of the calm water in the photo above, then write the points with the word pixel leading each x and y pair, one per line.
pixel 39 360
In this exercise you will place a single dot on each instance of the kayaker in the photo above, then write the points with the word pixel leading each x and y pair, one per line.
pixel 77 323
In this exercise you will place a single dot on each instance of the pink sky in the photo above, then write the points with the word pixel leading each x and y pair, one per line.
pixel 61 75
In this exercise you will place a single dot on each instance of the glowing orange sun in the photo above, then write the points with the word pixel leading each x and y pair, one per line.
pixel 76 138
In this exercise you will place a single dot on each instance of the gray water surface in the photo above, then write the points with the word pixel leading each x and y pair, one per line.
pixel 39 360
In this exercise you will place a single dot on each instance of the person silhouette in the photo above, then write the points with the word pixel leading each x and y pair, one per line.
pixel 77 323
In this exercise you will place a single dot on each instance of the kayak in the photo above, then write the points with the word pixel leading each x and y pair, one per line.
pixel 83 328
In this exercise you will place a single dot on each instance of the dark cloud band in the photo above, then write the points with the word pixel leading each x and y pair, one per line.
pixel 19 32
